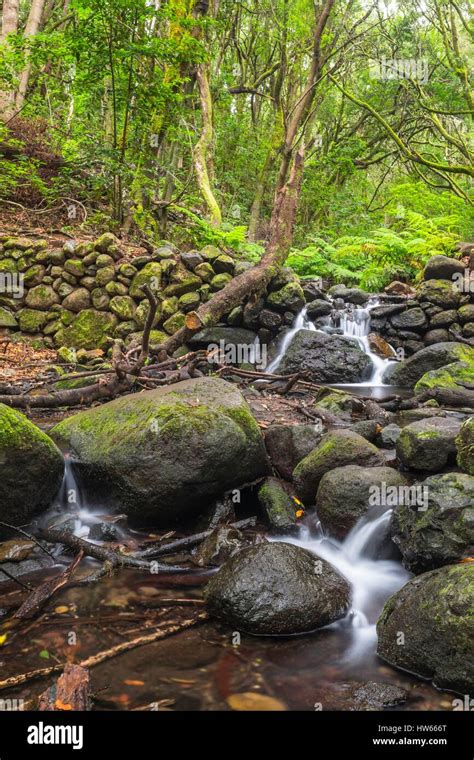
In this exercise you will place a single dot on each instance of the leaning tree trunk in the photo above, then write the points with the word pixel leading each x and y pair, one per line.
pixel 32 27
pixel 203 145
pixel 254 280
pixel 10 10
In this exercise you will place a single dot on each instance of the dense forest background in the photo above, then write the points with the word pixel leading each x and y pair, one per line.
pixel 181 119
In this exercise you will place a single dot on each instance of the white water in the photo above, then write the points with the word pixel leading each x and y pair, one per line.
pixel 372 580
pixel 354 323
pixel 71 502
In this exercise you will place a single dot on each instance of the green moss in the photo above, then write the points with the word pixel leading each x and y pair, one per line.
pixel 450 376
pixel 465 446
pixel 18 433
pixel 150 275
pixel 91 329
pixel 32 320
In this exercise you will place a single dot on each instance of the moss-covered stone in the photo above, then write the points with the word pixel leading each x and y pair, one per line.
pixel 41 297
pixel 451 376
pixel 100 299
pixel 442 293
pixel 465 446
pixel 150 275
pixel 104 275
pixel 140 445
pixel 8 266
pixel 157 337
pixel 141 314
pixel 336 402
pixel 219 281
pixel 7 319
pixel 408 372
pixel 31 468
pixel 169 306
pixel 428 444
pixel 189 301
pixel 78 300
pixel 75 267
pixel 278 506
pixel 223 263
pixel 105 241
pixel 289 298
pixel 466 313
pixel 435 614
pixel 104 260
pixel 174 323
pixel 91 329
pixel 337 449
pixel 33 275
pixel 123 306
pixel 204 271
pixel 32 320
pixel 114 288
pixel 210 252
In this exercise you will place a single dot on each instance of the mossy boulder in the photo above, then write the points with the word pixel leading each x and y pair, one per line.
pixel 408 372
pixel 189 301
pixel 8 266
pixel 78 300
pixel 278 506
pixel 165 454
pixel 336 402
pixel 442 267
pixel 441 530
pixel 346 494
pixel 453 376
pixel 465 446
pixel 289 298
pixel 123 306
pixel 442 293
pixel 141 314
pixel 277 588
pixel 210 252
pixel 100 299
pixel 32 320
pixel 91 329
pixel 150 275
pixel 427 627
pixel 31 466
pixel 42 297
pixel 7 319
pixel 75 267
pixel 105 241
pixel 219 281
pixel 104 276
pixel 326 358
pixel 174 323
pixel 466 313
pixel 337 449
pixel 428 444
pixel 204 271
pixel 34 275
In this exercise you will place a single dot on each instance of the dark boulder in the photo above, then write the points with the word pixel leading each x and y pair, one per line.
pixel 326 358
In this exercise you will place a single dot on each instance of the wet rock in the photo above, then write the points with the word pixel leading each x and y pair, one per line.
pixel 465 446
pixel 441 293
pixel 411 319
pixel 278 506
pixel 441 267
pixel 289 298
pixel 408 372
pixel 453 375
pixel 428 444
pixel 444 318
pixel 389 436
pixel 380 346
pixel 277 588
pixel 387 310
pixel 336 402
pixel 377 696
pixel 287 445
pixel 318 308
pixel 223 543
pixel 233 336
pixel 368 429
pixel 435 336
pixel 326 358
pixel 349 295
pixel 270 319
pixel 433 613
pixel 336 449
pixel 346 494
pixel 31 468
pixel 140 447
pixel 441 531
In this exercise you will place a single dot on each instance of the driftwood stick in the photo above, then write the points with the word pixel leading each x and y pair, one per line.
pixel 190 541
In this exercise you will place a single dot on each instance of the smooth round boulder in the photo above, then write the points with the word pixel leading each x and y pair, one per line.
pixel 336 449
pixel 453 375
pixel 439 531
pixel 442 293
pixel 428 444
pixel 346 494
pixel 277 588
pixel 427 627
pixel 408 372
pixel 162 455
pixel 326 358
pixel 442 267
pixel 465 446
pixel 287 445
pixel 31 466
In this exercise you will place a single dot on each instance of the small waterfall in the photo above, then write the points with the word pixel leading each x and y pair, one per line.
pixel 71 502
pixel 372 580
pixel 301 323
pixel 354 322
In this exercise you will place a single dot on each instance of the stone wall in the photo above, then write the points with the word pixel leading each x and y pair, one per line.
pixel 83 295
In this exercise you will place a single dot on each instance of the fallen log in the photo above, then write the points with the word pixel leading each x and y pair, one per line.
pixel 71 691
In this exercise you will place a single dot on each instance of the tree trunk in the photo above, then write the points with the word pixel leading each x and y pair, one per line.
pixel 203 145
pixel 32 27
pixel 256 279
pixel 9 26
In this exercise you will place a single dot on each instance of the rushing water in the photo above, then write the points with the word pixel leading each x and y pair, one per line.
pixel 354 322
pixel 359 558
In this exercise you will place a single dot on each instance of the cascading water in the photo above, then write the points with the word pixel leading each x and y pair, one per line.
pixel 353 322
pixel 372 579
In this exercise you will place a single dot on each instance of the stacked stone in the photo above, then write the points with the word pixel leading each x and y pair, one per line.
pixel 441 310
pixel 84 295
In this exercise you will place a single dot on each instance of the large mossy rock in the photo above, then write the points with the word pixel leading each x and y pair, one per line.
pixel 427 627
pixel 408 372
pixel 428 444
pixel 164 454
pixel 441 267
pixel 31 468
pixel 442 531
pixel 277 588
pixel 337 449
pixel 442 293
pixel 278 506
pixel 346 494
pixel 91 329
pixel 326 358
pixel 465 446
pixel 452 376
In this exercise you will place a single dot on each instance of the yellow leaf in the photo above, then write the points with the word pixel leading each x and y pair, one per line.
pixel 3 638
pixel 61 609
pixel 248 700
pixel 62 705
pixel 131 682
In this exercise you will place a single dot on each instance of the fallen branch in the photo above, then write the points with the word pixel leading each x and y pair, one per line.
pixel 43 593
pixel 71 692
pixel 186 543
